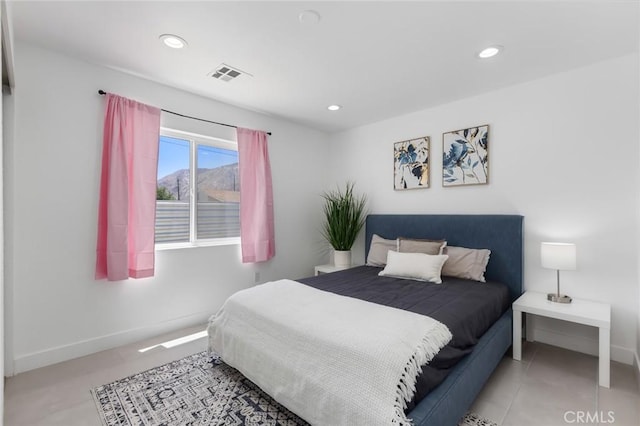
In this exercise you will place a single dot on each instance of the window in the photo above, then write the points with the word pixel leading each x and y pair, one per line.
pixel 195 166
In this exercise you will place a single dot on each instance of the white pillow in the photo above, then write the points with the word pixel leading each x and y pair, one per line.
pixel 415 266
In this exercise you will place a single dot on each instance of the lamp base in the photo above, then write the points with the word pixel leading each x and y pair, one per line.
pixel 558 298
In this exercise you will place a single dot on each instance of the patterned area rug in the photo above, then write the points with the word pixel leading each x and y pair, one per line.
pixel 197 390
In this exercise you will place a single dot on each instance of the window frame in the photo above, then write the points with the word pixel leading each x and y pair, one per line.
pixel 195 140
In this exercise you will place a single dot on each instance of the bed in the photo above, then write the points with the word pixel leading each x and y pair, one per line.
pixel 503 235
pixel 448 395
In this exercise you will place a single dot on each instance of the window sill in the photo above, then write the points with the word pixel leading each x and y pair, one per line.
pixel 209 243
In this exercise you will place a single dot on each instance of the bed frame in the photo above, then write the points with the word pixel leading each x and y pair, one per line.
pixel 503 235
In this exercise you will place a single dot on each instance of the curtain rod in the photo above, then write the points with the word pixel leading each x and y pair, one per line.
pixel 102 93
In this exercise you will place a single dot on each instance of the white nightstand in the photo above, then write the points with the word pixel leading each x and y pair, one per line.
pixel 327 269
pixel 578 311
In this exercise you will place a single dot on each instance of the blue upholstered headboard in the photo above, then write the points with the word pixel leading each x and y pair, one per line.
pixel 502 234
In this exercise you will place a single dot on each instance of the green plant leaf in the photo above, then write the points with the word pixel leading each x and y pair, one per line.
pixel 344 216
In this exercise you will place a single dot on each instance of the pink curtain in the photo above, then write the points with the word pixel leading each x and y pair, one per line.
pixel 126 215
pixel 256 197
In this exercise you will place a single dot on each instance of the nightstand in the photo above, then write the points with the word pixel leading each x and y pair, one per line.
pixel 327 269
pixel 578 311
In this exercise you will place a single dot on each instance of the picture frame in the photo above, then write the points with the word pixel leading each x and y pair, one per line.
pixel 411 164
pixel 465 156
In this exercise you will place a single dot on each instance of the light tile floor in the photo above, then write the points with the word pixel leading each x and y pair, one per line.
pixel 538 390
pixel 553 386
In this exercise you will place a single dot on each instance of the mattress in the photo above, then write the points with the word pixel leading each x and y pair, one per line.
pixel 467 308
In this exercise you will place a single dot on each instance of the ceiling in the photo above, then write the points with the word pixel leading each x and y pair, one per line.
pixel 376 59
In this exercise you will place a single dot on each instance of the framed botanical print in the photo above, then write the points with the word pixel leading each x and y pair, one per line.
pixel 465 156
pixel 411 164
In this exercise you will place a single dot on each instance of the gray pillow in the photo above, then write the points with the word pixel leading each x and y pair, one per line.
pixel 378 250
pixel 431 247
pixel 466 263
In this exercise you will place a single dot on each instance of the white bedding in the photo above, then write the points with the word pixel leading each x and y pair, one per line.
pixel 332 360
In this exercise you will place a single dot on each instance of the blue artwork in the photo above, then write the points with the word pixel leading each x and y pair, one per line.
pixel 411 164
pixel 465 159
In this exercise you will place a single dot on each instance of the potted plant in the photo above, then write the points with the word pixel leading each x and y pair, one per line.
pixel 344 216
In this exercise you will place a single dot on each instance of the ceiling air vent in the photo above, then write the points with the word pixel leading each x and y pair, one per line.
pixel 225 72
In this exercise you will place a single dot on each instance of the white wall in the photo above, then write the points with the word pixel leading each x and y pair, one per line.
pixel 637 358
pixel 2 313
pixel 7 135
pixel 564 153
pixel 52 179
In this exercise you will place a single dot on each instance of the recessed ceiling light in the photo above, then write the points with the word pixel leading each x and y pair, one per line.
pixel 490 51
pixel 173 41
pixel 333 107
pixel 309 17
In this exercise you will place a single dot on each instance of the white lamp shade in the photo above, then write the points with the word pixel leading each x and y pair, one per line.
pixel 560 256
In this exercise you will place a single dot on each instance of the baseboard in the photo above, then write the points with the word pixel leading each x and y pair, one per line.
pixel 584 345
pixel 86 347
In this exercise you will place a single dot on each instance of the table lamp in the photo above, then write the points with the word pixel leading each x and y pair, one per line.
pixel 561 257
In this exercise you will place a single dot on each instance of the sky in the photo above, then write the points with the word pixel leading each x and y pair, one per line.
pixel 174 155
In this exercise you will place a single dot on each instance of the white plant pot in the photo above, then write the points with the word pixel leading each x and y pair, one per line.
pixel 342 259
